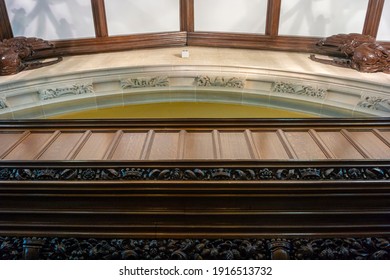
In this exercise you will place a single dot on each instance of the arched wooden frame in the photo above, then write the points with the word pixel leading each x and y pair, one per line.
pixel 188 36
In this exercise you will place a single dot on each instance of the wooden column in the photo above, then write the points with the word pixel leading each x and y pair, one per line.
pixel 273 17
pixel 187 15
pixel 5 25
pixel 99 18
pixel 373 17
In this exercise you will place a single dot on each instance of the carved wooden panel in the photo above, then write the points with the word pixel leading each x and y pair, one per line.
pixel 234 178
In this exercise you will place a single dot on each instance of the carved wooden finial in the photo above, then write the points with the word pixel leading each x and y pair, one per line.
pixel 16 54
pixel 356 51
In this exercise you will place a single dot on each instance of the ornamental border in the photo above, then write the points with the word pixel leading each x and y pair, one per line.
pixel 57 248
pixel 376 173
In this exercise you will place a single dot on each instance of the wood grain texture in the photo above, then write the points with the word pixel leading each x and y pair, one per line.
pixel 29 147
pixel 130 146
pixel 373 17
pixel 5 25
pixel 62 146
pixel 199 145
pixel 96 146
pixel 339 145
pixel 375 147
pixel 304 145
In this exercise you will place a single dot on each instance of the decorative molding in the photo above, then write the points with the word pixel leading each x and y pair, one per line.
pixel 53 93
pixel 282 87
pixel 375 103
pixel 3 103
pixel 56 248
pixel 196 174
pixel 206 81
pixel 159 81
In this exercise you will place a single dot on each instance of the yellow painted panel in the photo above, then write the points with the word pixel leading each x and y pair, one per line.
pixel 184 110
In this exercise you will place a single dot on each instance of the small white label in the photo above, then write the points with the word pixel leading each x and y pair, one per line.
pixel 185 54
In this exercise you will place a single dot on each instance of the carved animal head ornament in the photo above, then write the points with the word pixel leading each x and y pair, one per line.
pixel 17 54
pixel 356 51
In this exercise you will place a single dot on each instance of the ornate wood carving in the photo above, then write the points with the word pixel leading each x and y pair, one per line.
pixel 53 93
pixel 375 103
pixel 16 54
pixel 57 248
pixel 356 51
pixel 282 87
pixel 159 81
pixel 233 82
pixel 196 174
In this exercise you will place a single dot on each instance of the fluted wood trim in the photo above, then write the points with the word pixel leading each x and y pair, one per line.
pixel 373 17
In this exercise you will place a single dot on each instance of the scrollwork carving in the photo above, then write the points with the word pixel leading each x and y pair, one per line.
pixel 159 81
pixel 196 174
pixel 368 248
pixel 3 103
pixel 206 81
pixel 375 103
pixel 290 88
pixel 53 93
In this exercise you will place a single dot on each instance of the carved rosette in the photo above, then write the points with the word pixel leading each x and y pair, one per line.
pixel 232 82
pixel 196 174
pixel 17 248
pixel 53 93
pixel 290 88
pixel 3 103
pixel 375 103
pixel 159 81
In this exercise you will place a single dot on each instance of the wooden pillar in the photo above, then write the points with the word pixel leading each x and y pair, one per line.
pixel 5 25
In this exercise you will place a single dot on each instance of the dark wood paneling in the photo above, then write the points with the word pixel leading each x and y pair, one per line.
pixel 5 26
pixel 373 17
pixel 99 18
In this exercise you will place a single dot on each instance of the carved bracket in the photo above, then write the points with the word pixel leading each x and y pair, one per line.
pixel 53 93
pixel 3 103
pixel 375 103
pixel 206 81
pixel 290 88
pixel 159 81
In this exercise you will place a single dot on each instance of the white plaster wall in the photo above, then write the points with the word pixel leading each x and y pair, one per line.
pixel 51 19
pixel 322 17
pixel 142 16
pixel 244 16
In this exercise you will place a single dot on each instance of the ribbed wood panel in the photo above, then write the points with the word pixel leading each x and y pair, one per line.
pixel 254 144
